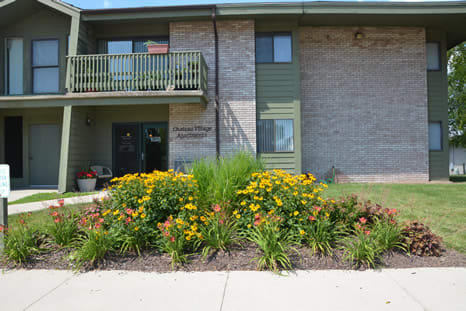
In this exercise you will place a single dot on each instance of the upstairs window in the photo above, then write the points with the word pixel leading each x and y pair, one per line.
pixel 273 48
pixel 275 136
pixel 45 71
pixel 126 46
pixel 435 136
pixel 433 55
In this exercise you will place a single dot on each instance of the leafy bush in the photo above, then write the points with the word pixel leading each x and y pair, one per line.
pixel 21 243
pixel 420 240
pixel 274 243
pixel 277 193
pixel 219 179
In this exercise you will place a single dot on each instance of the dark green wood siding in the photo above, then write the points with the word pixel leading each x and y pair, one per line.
pixel 437 94
pixel 278 97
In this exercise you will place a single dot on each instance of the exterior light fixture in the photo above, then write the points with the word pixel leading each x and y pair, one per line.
pixel 88 120
pixel 358 35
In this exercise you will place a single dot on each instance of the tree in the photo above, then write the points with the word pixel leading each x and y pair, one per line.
pixel 457 94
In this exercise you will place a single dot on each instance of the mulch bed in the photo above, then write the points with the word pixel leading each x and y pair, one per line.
pixel 237 259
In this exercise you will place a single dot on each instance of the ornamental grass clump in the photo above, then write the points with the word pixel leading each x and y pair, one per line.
pixel 219 179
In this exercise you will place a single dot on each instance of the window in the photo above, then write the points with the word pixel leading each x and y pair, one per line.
pixel 275 136
pixel 433 55
pixel 125 46
pixel 435 136
pixel 273 48
pixel 45 73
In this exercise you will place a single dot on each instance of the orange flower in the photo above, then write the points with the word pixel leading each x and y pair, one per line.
pixel 362 220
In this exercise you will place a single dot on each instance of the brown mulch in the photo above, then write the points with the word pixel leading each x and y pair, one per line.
pixel 237 259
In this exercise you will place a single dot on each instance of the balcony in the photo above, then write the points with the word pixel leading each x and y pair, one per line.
pixel 136 72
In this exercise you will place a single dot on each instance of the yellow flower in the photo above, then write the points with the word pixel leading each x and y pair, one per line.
pixel 203 218
pixel 235 212
pixel 302 232
pixel 123 205
pixel 136 228
pixel 327 214
pixel 116 212
pixel 143 215
pixel 188 237
pixel 190 198
pixel 135 214
pixel 238 216
pixel 243 203
pixel 295 193
pixel 249 225
pixel 303 202
pixel 296 213
pixel 181 199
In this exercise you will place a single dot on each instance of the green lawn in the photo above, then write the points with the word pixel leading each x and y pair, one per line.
pixel 440 206
pixel 49 196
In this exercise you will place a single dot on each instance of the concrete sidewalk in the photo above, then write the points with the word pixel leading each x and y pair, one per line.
pixel 388 289
pixel 34 206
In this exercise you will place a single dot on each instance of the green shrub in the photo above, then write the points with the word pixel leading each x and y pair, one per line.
pixel 219 179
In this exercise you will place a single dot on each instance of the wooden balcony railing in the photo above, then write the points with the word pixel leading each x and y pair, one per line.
pixel 136 72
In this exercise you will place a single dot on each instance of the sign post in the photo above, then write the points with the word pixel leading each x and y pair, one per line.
pixel 4 193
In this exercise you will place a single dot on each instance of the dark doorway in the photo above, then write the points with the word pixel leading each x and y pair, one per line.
pixel 14 145
pixel 139 147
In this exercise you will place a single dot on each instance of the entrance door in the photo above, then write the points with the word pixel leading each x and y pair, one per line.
pixel 14 66
pixel 126 149
pixel 139 147
pixel 154 147
pixel 44 154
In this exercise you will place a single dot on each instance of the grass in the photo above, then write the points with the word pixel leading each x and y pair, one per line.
pixel 440 206
pixel 45 196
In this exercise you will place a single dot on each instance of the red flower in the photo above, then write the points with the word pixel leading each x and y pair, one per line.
pixel 358 226
pixel 367 232
pixel 61 202
pixel 97 225
pixel 362 220
pixel 317 208
pixel 54 214
pixel 57 220
pixel 217 208
pixel 21 221
pixel 1 228
pixel 312 218
pixel 172 239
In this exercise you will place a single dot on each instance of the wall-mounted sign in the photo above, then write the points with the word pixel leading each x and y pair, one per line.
pixel 191 132
pixel 4 180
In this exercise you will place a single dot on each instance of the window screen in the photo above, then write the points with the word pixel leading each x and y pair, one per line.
pixel 275 136
pixel 273 48
pixel 433 56
pixel 435 136
pixel 45 71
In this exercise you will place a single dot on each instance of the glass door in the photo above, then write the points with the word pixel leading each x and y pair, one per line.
pixel 154 147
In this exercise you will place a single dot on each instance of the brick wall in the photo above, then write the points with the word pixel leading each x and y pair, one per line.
pixel 237 90
pixel 364 103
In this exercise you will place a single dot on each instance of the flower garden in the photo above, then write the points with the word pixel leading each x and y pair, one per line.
pixel 222 206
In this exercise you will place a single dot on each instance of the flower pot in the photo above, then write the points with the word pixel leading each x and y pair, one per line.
pixel 87 185
pixel 157 48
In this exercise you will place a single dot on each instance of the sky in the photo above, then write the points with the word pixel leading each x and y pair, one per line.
pixel 100 4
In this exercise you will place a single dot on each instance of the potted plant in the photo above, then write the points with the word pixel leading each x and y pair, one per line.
pixel 87 180
pixel 156 48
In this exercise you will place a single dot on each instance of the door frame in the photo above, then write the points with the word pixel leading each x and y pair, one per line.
pixel 140 132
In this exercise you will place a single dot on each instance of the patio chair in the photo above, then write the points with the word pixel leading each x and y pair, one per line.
pixel 104 174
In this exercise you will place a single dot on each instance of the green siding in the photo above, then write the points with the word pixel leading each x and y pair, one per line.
pixel 437 94
pixel 278 97
pixel 43 24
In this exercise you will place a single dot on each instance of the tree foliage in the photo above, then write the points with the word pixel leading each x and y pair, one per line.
pixel 457 94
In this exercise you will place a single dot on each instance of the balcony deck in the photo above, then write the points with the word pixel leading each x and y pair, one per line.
pixel 136 72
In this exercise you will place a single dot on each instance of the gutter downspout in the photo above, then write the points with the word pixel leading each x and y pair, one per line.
pixel 217 104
